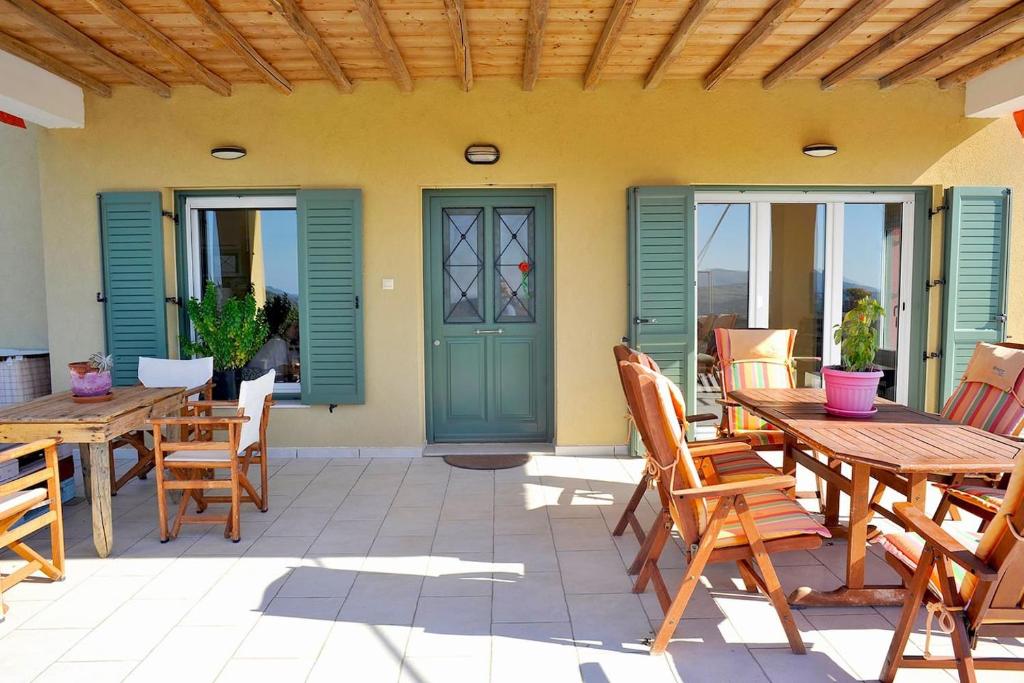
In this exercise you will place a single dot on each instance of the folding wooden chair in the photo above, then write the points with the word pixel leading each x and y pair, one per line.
pixel 973 583
pixel 735 464
pixel 743 522
pixel 159 373
pixel 187 460
pixel 18 497
pixel 996 409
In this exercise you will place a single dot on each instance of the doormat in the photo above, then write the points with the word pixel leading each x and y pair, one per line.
pixel 486 462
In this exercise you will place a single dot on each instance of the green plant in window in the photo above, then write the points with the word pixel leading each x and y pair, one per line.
pixel 232 333
pixel 278 312
pixel 857 335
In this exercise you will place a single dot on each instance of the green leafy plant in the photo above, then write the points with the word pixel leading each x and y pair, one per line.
pixel 277 312
pixel 857 335
pixel 232 333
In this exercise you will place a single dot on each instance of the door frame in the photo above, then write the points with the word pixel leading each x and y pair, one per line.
pixel 545 193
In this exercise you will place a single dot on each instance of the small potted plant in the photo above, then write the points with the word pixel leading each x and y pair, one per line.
pixel 90 379
pixel 231 333
pixel 851 388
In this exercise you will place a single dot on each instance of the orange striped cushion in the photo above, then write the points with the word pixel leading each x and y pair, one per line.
pixel 741 466
pixel 776 515
pixel 769 436
pixel 987 497
pixel 986 407
pixel 754 375
pixel 907 548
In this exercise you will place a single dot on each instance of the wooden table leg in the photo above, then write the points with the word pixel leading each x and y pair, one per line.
pixel 917 489
pixel 96 473
pixel 832 497
pixel 789 461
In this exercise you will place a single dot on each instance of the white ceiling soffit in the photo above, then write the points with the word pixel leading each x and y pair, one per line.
pixel 38 96
pixel 996 93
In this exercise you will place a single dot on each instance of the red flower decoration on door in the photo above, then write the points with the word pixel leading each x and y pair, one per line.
pixel 524 267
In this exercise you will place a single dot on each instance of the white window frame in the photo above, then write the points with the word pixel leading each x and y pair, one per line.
pixel 835 227
pixel 193 205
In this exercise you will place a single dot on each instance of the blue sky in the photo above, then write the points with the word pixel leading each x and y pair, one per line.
pixel 280 249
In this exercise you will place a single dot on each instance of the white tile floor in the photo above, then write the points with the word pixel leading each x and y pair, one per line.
pixel 407 570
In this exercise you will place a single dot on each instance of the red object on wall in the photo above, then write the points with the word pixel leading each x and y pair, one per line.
pixel 1018 117
pixel 11 120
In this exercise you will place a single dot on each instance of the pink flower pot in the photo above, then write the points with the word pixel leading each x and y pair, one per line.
pixel 87 382
pixel 851 392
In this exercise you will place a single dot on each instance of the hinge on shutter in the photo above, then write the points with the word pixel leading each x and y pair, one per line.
pixel 176 300
pixel 934 283
pixel 930 355
pixel 169 214
pixel 331 407
pixel 100 298
pixel 357 302
pixel 937 210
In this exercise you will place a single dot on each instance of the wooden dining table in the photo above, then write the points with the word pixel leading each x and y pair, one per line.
pixel 898 447
pixel 93 426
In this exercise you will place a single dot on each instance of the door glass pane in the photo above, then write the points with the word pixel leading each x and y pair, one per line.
pixel 797 283
pixel 243 250
pixel 463 265
pixel 513 265
pixel 872 246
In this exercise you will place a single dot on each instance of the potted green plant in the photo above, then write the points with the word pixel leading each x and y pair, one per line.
pixel 231 333
pixel 91 379
pixel 851 388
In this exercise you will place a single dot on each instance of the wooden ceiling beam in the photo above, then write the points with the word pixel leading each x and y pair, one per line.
pixel 72 37
pixel 535 25
pixel 120 14
pixel 839 29
pixel 314 42
pixel 1005 54
pixel 765 26
pixel 385 42
pixel 214 22
pixel 609 39
pixel 697 11
pixel 455 12
pixel 54 66
pixel 950 49
pixel 921 24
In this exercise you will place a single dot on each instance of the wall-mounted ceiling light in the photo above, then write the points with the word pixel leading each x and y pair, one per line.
pixel 482 154
pixel 227 152
pixel 820 149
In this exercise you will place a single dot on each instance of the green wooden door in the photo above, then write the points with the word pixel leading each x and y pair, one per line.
pixel 488 268
pixel 974 301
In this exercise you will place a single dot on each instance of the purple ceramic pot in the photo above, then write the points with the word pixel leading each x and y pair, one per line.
pixel 86 381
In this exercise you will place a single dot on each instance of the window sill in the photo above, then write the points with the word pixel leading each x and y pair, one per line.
pixel 288 403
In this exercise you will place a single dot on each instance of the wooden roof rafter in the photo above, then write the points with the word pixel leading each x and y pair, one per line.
pixel 306 31
pixel 125 18
pixel 455 13
pixel 761 31
pixel 948 50
pixel 381 35
pixel 74 38
pixel 979 66
pixel 55 66
pixel 610 34
pixel 839 29
pixel 535 25
pixel 697 11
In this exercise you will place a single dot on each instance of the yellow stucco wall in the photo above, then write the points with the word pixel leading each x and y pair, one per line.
pixel 588 146
pixel 22 288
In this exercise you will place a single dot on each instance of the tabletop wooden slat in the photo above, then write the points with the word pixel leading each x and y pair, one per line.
pixel 896 438
pixel 59 408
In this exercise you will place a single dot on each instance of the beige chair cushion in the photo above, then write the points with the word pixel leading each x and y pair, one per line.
pixel 996 366
pixel 20 500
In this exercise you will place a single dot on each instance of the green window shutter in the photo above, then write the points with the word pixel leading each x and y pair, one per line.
pixel 662 284
pixel 974 305
pixel 131 236
pixel 330 290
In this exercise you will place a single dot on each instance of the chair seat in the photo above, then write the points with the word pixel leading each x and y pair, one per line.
pixel 20 500
pixel 742 466
pixel 763 437
pixel 776 516
pixel 907 548
pixel 198 456
pixel 988 497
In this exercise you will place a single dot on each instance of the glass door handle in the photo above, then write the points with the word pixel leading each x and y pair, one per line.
pixel 497 331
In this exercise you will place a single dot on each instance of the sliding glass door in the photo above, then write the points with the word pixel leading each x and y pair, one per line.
pixel 801 260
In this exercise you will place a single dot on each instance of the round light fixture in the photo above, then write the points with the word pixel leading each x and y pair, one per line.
pixel 482 154
pixel 820 149
pixel 228 152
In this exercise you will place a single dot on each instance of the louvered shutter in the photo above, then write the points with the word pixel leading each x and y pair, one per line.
pixel 974 306
pixel 132 242
pixel 662 283
pixel 330 288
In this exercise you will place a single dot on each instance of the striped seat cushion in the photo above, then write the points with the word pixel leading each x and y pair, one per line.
pixel 987 497
pixel 907 548
pixel 986 407
pixel 768 436
pixel 741 466
pixel 776 515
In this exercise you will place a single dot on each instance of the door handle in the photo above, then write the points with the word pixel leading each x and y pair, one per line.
pixel 497 331
pixel 645 321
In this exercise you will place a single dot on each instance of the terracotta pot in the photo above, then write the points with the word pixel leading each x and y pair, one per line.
pixel 852 392
pixel 87 381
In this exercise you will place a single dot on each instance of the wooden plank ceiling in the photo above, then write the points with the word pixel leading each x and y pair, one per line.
pixel 159 44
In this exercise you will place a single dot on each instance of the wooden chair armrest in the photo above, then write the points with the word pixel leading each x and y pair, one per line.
pixel 203 403
pixel 702 417
pixel 708 449
pixel 199 420
pixel 28 449
pixel 737 440
pixel 942 542
pixel 736 488
pixel 727 402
